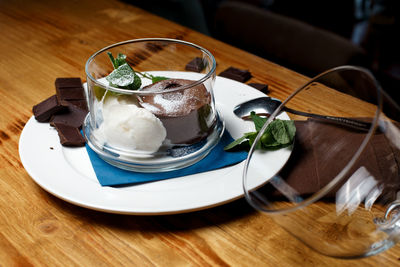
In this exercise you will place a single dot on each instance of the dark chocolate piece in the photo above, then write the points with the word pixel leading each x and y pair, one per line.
pixel 66 110
pixel 236 74
pixel 47 108
pixel 71 93
pixel 68 82
pixel 69 136
pixel 260 86
pixel 73 117
pixel 69 89
pixel 196 65
pixel 82 104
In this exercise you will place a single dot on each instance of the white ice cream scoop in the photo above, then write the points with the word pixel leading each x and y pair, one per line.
pixel 129 127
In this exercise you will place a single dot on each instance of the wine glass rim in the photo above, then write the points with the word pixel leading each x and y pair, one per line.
pixel 209 74
pixel 323 191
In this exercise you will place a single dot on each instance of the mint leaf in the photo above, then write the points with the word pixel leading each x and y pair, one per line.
pixel 124 77
pixel 258 121
pixel 267 139
pixel 290 128
pixel 278 134
pixel 155 79
pixel 120 60
pixel 239 141
pixel 112 59
pixel 137 82
pixel 251 138
pixel 279 130
pixel 117 62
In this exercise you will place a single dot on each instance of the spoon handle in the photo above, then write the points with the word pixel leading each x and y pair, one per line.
pixel 361 125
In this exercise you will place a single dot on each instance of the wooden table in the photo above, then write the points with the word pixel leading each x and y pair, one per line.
pixel 42 40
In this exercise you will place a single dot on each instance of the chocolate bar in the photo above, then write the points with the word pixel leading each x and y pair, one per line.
pixel 68 82
pixel 47 108
pixel 82 104
pixel 69 136
pixel 236 74
pixel 66 110
pixel 66 94
pixel 196 65
pixel 69 89
pixel 73 117
pixel 260 86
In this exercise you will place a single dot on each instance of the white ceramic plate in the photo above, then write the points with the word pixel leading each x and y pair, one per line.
pixel 68 174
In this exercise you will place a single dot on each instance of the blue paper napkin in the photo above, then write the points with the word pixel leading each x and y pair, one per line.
pixel 109 175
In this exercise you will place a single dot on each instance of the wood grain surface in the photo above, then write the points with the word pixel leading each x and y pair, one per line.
pixel 42 40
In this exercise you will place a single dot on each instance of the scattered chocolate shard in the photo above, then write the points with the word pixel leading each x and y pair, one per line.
pixel 70 93
pixel 261 87
pixel 47 108
pixel 74 117
pixel 69 135
pixel 66 111
pixel 68 82
pixel 82 104
pixel 196 65
pixel 69 89
pixel 236 74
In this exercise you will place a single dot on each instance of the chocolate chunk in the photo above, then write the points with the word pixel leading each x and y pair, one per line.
pixel 260 86
pixel 69 89
pixel 236 74
pixel 196 65
pixel 66 94
pixel 73 117
pixel 82 104
pixel 66 110
pixel 47 108
pixel 68 82
pixel 69 136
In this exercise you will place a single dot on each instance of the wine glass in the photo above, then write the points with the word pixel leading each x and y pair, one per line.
pixel 335 185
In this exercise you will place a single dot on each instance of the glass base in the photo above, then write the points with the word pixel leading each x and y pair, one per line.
pixel 173 158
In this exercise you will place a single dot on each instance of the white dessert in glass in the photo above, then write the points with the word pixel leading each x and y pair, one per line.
pixel 162 118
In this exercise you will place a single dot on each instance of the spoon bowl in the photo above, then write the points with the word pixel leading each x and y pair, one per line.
pixel 259 105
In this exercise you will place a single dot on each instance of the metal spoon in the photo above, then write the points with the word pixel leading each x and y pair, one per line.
pixel 267 105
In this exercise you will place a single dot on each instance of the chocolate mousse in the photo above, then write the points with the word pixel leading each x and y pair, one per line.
pixel 186 114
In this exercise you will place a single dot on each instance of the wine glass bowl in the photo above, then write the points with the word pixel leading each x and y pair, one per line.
pixel 337 192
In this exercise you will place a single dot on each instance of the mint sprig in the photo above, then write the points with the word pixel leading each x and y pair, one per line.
pixel 123 76
pixel 279 133
pixel 120 60
pixel 153 78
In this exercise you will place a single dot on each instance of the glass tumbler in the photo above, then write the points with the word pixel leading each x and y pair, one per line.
pixel 336 186
pixel 148 110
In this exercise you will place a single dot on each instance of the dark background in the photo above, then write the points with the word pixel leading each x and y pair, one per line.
pixel 308 36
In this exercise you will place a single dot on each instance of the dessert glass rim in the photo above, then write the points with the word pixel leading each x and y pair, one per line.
pixel 139 91
pixel 342 174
